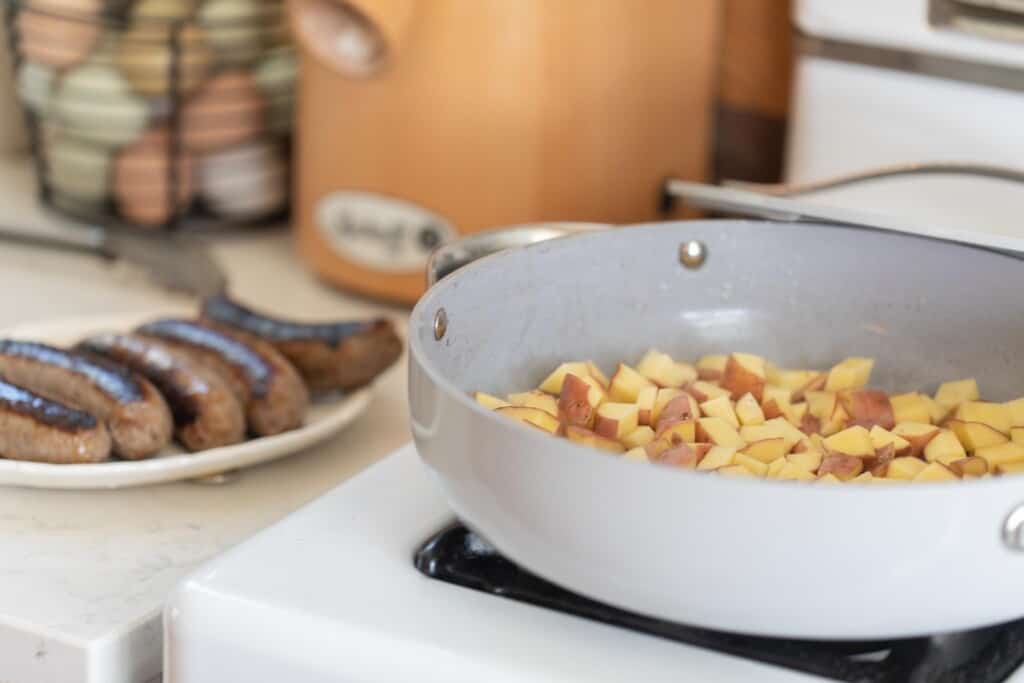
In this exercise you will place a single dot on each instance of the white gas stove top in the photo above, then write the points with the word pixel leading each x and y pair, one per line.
pixel 330 594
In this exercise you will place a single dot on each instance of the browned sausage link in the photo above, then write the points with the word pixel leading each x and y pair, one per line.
pixel 134 411
pixel 341 355
pixel 275 398
pixel 206 413
pixel 35 428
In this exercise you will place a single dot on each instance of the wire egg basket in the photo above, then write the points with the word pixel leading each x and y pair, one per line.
pixel 158 114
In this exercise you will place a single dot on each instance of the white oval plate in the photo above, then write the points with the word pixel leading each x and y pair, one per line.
pixel 172 464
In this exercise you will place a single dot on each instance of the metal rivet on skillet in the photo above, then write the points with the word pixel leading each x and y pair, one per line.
pixel 1013 529
pixel 440 324
pixel 692 253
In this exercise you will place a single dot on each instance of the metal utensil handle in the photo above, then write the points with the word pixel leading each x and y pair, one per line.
pixel 450 257
pixel 86 239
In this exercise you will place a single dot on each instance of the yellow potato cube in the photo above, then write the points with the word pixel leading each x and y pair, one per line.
pixel 917 434
pixel 852 441
pixel 766 450
pixel 552 384
pixel 719 432
pixel 905 468
pixel 1001 454
pixel 661 400
pixel 794 380
pixel 645 404
pixel 639 437
pixel 1010 468
pixel 720 407
pixel 862 478
pixel 754 465
pixel 535 399
pixel 936 411
pixel 597 375
pixel 935 472
pixel 809 460
pixel 712 366
pixel 626 384
pixel 775 466
pixel 718 456
pixel 852 373
pixel 585 437
pixel 910 408
pixel 794 413
pixel 490 402
pixel 952 394
pixel 748 411
pixel 1017 434
pixel 680 432
pixel 821 404
pixel 705 391
pixel 881 437
pixel 944 448
pixel 995 415
pixel 531 416
pixel 616 420
pixel 830 479
pixel 778 394
pixel 735 471
pixel 975 435
pixel 636 454
pixel 1016 410
pixel 663 371
pixel 792 472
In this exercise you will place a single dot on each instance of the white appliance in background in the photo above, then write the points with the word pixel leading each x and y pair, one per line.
pixel 881 83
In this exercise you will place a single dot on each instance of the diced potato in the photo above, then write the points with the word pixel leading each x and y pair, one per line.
pixel 748 410
pixel 778 394
pixel 844 466
pixel 710 368
pixel 794 380
pixel 975 435
pixel 552 384
pixel 579 400
pixel 905 468
pixel 829 479
pixel 1017 434
pixel 744 373
pixel 995 415
pixel 735 471
pixel 863 478
pixel 776 427
pixel 944 448
pixel 917 434
pixel 754 465
pixel 717 456
pixel 705 391
pixel 663 371
pixel 880 438
pixel 766 450
pixel 1001 454
pixel 681 455
pixel 1010 468
pixel 662 399
pixel 794 413
pixel 851 441
pixel 1016 410
pixel 597 374
pixel 720 407
pixel 821 404
pixel 936 471
pixel 969 467
pixel 639 437
pixel 645 405
pixel 836 422
pixel 636 454
pixel 809 460
pixel 792 472
pixel 626 384
pixel 531 416
pixel 683 431
pixel 490 402
pixel 852 373
pixel 616 420
pixel 936 411
pixel 952 394
pixel 535 399
pixel 868 408
pixel 910 408
pixel 585 437
pixel 719 432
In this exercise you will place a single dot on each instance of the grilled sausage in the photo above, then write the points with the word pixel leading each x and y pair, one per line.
pixel 271 390
pixel 330 356
pixel 35 428
pixel 206 413
pixel 134 411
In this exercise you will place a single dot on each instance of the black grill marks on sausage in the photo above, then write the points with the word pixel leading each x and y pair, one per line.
pixel 43 410
pixel 111 379
pixel 257 371
pixel 224 310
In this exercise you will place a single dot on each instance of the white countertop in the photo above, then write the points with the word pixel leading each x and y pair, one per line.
pixel 83 575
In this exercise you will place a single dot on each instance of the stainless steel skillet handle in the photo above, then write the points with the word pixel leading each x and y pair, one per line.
pixel 450 257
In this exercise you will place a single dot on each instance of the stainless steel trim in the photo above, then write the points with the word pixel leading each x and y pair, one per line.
pixel 978 73
pixel 1013 529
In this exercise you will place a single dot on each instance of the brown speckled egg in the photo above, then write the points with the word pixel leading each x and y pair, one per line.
pixel 142 179
pixel 227 110
pixel 144 57
pixel 60 33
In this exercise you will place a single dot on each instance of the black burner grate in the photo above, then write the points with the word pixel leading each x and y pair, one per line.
pixel 990 655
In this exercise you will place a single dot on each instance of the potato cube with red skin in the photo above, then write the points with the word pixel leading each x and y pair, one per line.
pixel 882 437
pixel 579 400
pixel 868 407
pixel 662 399
pixel 626 384
pixel 717 456
pixel 816 383
pixel 854 441
pixel 791 472
pixel 490 402
pixel 771 409
pixel 995 415
pixel 844 467
pixel 616 420
pixel 552 384
pixel 534 417
pixel 720 407
pixel 679 431
pixel 809 460
pixel 710 368
pixel 586 437
pixel 766 450
pixel 910 408
pixel 684 455
pixel 852 373
pixel 778 394
pixel 535 399
pixel 645 404
pixel 678 409
pixel 905 468
pixel 636 455
pixel 1001 454
pixel 753 464
pixel 935 471
pixel 744 373
pixel 917 434
pixel 952 394
pixel 776 427
pixel 944 448
pixel 795 414
pixel 748 410
pixel 597 374
pixel 705 391
pixel 972 466
pixel 976 435
pixel 639 437
pixel 878 464
pixel 719 432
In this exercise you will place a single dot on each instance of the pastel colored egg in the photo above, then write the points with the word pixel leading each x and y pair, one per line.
pixel 143 174
pixel 275 75
pixel 161 11
pixel 144 57
pixel 95 103
pixel 245 182
pixel 237 29
pixel 35 86
pixel 60 33
pixel 227 110
pixel 77 169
